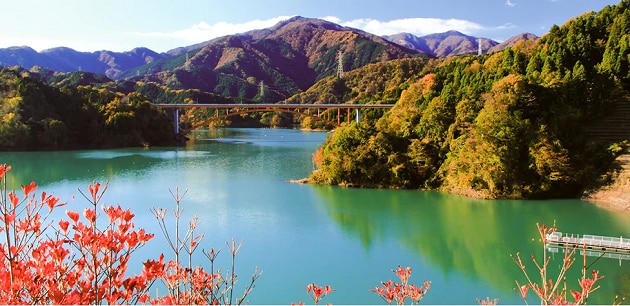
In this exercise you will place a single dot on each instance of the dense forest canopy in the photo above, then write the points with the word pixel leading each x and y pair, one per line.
pixel 36 116
pixel 509 124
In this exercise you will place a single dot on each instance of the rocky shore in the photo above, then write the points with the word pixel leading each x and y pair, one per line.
pixel 615 196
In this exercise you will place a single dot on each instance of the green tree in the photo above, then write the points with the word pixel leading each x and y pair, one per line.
pixel 552 165
pixel 488 161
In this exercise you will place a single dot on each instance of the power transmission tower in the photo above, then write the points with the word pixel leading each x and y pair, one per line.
pixel 340 64
pixel 187 62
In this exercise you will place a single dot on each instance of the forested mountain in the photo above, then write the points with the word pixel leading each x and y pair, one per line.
pixel 284 59
pixel 26 57
pixel 287 58
pixel 445 44
pixel 512 41
pixel 36 116
pixel 68 60
pixel 512 124
pixel 63 79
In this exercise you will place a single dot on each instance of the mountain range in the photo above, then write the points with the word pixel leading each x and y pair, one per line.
pixel 284 59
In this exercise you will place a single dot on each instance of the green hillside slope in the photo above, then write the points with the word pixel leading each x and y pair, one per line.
pixel 36 116
pixel 506 125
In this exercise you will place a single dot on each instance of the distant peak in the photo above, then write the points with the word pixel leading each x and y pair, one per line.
pixel 299 20
pixel 142 50
pixel 453 32
pixel 296 18
pixel 529 35
pixel 446 34
pixel 27 48
pixel 59 49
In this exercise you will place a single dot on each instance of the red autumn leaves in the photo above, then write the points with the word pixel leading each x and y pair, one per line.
pixel 81 261
pixel 74 263
pixel 398 292
pixel 390 292
pixel 554 292
pixel 317 293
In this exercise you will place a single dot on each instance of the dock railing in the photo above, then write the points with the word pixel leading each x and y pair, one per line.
pixel 590 242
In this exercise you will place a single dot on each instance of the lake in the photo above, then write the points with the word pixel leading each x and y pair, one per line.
pixel 351 239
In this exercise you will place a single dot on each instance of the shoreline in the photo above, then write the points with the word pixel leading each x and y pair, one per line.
pixel 611 206
pixel 305 180
pixel 315 130
pixel 614 197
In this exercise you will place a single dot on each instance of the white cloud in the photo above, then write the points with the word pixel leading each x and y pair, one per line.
pixel 506 26
pixel 510 3
pixel 332 19
pixel 416 26
pixel 203 31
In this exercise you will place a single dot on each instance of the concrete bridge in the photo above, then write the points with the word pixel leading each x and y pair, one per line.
pixel 312 110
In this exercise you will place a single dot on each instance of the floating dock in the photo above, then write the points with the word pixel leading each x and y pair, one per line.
pixel 592 243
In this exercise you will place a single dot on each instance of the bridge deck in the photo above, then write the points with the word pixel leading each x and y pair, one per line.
pixel 267 107
pixel 275 106
pixel 591 242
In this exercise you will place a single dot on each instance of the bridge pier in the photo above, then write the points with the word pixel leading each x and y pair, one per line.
pixel 176 120
pixel 348 114
pixel 358 115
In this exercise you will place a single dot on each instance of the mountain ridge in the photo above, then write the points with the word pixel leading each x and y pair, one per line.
pixel 454 43
pixel 286 58
pixel 112 64
pixel 64 59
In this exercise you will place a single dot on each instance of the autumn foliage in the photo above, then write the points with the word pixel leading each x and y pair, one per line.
pixel 399 292
pixel 187 284
pixel 554 290
pixel 72 261
pixel 516 123
pixel 85 258
pixel 316 293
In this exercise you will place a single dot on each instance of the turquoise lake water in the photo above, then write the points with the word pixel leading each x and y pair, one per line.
pixel 238 185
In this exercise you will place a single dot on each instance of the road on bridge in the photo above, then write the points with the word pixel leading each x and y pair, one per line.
pixel 275 106
pixel 248 108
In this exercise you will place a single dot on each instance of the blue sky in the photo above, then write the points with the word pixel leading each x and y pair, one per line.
pixel 161 25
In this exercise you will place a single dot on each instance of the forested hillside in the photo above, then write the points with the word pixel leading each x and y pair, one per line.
pixel 286 59
pixel 265 65
pixel 64 59
pixel 35 116
pixel 507 125
pixel 451 43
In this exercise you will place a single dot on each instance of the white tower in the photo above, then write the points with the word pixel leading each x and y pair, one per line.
pixel 479 52
pixel 340 64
